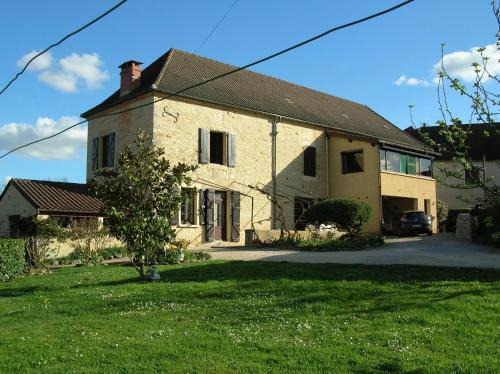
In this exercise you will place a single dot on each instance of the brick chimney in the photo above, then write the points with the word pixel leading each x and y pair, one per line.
pixel 130 76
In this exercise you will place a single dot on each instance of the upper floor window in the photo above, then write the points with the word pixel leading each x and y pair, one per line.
pixel 217 148
pixel 310 161
pixel 400 162
pixel 352 162
pixel 103 151
pixel 108 150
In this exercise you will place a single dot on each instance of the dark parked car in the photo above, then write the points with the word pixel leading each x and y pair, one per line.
pixel 415 222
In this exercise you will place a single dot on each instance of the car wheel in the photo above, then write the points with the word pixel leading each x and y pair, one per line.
pixel 429 233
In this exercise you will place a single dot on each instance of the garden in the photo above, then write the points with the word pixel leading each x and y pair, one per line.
pixel 242 317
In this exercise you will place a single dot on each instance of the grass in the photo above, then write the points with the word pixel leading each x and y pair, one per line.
pixel 251 317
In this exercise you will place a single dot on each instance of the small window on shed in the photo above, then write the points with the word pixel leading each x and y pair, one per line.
pixel 216 147
pixel 310 161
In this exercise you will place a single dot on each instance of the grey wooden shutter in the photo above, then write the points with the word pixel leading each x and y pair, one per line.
pixel 209 215
pixel 235 216
pixel 231 150
pixel 202 207
pixel 95 153
pixel 111 149
pixel 204 150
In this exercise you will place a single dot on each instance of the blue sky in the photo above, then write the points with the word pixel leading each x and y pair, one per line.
pixel 361 63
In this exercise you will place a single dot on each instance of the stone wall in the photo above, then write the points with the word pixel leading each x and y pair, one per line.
pixel 176 128
pixel 13 203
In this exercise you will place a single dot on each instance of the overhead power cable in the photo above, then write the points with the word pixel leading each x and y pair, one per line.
pixel 177 93
pixel 61 41
pixel 214 29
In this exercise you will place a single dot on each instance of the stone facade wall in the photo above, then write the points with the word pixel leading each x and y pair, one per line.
pixel 176 128
pixel 13 203
pixel 124 125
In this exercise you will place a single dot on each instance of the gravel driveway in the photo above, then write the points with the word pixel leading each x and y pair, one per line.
pixel 437 250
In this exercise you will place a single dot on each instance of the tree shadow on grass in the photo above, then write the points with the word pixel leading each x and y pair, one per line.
pixel 255 271
pixel 248 272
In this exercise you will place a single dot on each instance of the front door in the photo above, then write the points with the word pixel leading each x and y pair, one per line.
pixel 220 215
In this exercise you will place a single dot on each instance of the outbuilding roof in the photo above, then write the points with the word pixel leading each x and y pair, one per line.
pixel 177 70
pixel 57 197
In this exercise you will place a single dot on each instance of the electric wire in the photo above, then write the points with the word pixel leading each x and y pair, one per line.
pixel 214 29
pixel 233 71
pixel 88 24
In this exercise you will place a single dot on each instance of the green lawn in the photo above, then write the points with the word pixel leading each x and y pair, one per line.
pixel 220 317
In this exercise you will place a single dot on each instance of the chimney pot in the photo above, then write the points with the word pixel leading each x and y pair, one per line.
pixel 130 76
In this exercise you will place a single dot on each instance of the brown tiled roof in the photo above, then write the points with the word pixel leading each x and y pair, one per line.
pixel 480 145
pixel 176 70
pixel 58 197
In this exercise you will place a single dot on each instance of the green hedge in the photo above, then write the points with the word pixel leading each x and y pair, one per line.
pixel 11 258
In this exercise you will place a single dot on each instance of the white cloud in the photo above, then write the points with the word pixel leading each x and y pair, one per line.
pixel 71 72
pixel 42 62
pixel 63 81
pixel 65 146
pixel 85 67
pixel 403 80
pixel 459 64
pixel 6 180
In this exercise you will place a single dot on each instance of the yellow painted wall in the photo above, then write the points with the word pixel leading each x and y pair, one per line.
pixel 363 186
pixel 411 186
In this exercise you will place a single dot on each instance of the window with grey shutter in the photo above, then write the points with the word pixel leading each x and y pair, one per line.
pixel 95 153
pixel 231 150
pixel 204 141
pixel 108 150
pixel 235 216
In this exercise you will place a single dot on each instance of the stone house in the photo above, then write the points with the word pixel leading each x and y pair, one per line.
pixel 484 152
pixel 255 137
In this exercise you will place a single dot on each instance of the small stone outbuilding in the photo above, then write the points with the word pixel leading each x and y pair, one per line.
pixel 67 203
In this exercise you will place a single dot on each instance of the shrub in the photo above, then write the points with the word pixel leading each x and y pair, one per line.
pixel 451 220
pixel 442 214
pixel 348 214
pixel 369 241
pixel 39 236
pixel 113 252
pixel 89 240
pixel 488 224
pixel 495 238
pixel 12 260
